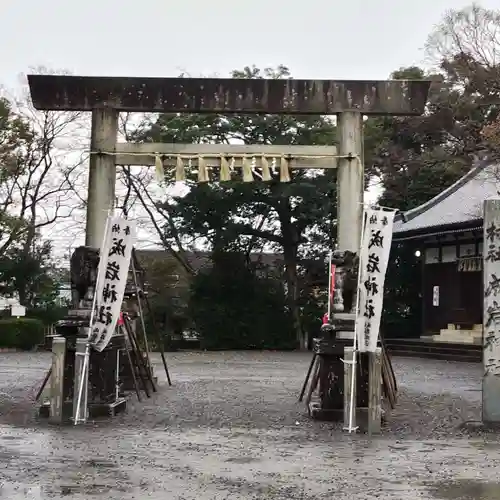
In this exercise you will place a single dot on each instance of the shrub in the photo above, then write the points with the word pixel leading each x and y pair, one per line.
pixel 235 308
pixel 21 333
pixel 47 315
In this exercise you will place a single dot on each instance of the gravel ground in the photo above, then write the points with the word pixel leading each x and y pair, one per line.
pixel 231 427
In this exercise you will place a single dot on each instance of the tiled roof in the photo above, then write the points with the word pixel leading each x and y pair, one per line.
pixel 460 203
pixel 200 259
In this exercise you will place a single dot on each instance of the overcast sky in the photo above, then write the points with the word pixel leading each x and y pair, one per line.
pixel 323 39
pixel 330 39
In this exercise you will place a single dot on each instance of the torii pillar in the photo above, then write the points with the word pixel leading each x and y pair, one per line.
pixel 102 173
pixel 105 97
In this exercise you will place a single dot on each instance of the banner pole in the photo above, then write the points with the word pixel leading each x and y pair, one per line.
pixel 329 285
pixel 355 339
pixel 76 417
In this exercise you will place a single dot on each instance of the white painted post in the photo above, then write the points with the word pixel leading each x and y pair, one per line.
pixel 348 387
pixel 117 375
pixel 375 391
pixel 350 181
pixel 491 313
pixel 80 411
pixel 102 173
pixel 57 380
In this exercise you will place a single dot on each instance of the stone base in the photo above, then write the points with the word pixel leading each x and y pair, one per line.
pixel 491 402
pixel 361 420
pixel 343 322
pixel 345 335
pixel 107 409
pixel 318 413
pixel 96 410
pixel 478 426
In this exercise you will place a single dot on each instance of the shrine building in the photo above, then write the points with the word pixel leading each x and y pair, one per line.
pixel 448 233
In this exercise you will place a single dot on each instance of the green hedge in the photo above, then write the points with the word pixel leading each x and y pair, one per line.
pixel 21 333
pixel 233 307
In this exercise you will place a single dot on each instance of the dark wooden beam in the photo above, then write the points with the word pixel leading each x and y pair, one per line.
pixel 230 95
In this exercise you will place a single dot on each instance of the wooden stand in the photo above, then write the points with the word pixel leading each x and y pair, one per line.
pixel 138 366
pixel 367 408
pixel 330 371
pixel 101 388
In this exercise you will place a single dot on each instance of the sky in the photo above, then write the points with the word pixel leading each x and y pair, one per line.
pixel 320 39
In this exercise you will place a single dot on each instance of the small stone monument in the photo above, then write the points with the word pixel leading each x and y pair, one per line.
pixel 491 314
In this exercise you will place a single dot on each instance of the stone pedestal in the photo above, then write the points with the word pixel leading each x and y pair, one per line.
pixel 101 384
pixel 57 381
pixel 330 350
pixel 335 337
pixel 331 380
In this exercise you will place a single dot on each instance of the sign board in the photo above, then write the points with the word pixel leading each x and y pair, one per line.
pixel 435 296
pixel 114 263
pixel 470 264
pixel 17 310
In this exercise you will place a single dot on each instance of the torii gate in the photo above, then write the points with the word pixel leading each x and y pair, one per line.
pixel 106 97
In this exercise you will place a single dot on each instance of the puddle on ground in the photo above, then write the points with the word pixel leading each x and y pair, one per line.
pixel 466 489
pixel 485 445
pixel 100 464
pixel 243 460
pixel 15 491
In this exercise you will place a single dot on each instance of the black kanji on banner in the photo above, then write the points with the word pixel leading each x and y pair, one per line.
pixel 371 286
pixel 117 248
pixel 372 266
pixel 113 271
pixel 109 293
pixel 376 239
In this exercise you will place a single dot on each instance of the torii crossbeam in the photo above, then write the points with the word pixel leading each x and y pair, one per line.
pixel 106 97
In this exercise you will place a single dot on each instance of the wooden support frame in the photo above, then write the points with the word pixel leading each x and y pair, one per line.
pixel 300 157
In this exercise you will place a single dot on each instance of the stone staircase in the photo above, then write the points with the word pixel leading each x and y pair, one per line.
pixel 430 349
pixel 459 334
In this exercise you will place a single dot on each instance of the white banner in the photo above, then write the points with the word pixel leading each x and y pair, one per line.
pixel 114 265
pixel 375 250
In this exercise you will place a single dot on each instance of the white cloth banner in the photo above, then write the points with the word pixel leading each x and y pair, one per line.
pixel 114 265
pixel 374 257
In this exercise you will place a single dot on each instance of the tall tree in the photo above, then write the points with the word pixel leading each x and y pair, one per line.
pixel 15 137
pixel 287 217
pixel 465 46
pixel 418 157
pixel 39 174
pixel 36 187
pixel 32 276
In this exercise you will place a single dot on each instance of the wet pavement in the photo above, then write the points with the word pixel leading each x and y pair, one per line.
pixel 231 427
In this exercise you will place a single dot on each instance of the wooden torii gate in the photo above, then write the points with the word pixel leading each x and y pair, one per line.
pixel 106 97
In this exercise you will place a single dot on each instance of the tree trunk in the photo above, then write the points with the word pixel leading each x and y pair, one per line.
pixel 290 250
pixel 292 296
pixel 22 284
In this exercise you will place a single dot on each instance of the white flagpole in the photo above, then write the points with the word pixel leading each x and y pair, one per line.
pixel 92 314
pixel 329 285
pixel 355 340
